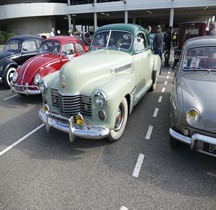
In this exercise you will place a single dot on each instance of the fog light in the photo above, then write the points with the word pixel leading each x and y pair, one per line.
pixel 101 115
pixel 186 132
pixel 79 119
pixel 46 108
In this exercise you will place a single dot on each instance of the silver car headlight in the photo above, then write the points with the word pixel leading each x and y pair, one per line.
pixel 192 116
pixel 15 76
pixel 42 86
pixel 37 78
pixel 100 99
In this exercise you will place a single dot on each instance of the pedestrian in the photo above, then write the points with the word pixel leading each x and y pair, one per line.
pixel 149 29
pixel 52 32
pixel 158 42
pixel 167 46
pixel 58 33
pixel 212 28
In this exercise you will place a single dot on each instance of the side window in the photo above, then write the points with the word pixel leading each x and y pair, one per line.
pixel 69 49
pixel 29 46
pixel 139 44
pixel 79 48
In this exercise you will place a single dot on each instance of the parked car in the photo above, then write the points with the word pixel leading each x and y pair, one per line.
pixel 192 101
pixel 186 31
pixel 53 53
pixel 16 51
pixel 92 96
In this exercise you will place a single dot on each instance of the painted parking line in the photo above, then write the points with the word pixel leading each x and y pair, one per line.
pixel 211 174
pixel 21 139
pixel 155 112
pixel 165 83
pixel 123 208
pixel 163 89
pixel 138 165
pixel 160 99
pixel 149 132
pixel 10 97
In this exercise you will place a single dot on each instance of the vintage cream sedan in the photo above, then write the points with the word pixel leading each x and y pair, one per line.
pixel 193 98
pixel 92 95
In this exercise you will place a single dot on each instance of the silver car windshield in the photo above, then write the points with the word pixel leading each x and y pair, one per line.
pixel 50 47
pixel 200 59
pixel 120 40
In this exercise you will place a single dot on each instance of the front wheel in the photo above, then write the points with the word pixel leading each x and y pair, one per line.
pixel 120 122
pixel 8 76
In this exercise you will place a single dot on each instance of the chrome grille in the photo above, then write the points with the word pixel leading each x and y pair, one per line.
pixel 71 105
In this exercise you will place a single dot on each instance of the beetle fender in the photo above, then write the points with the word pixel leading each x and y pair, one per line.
pixel 5 65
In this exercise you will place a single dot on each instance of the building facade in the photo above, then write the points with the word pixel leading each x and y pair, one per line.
pixel 39 16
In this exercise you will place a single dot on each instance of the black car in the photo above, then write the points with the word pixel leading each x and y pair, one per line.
pixel 16 51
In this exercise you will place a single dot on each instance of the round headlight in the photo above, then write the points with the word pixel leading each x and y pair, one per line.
pixel 100 99
pixel 15 76
pixel 42 86
pixel 37 78
pixel 192 116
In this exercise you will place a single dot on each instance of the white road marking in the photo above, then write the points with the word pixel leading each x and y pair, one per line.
pixel 160 99
pixel 138 165
pixel 21 139
pixel 167 77
pixel 163 89
pixel 155 112
pixel 165 82
pixel 10 97
pixel 123 208
pixel 211 174
pixel 149 132
pixel 168 72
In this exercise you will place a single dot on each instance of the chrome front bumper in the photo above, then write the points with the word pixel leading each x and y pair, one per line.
pixel 25 89
pixel 196 137
pixel 68 126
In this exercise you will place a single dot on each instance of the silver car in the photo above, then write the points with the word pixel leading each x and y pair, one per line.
pixel 193 98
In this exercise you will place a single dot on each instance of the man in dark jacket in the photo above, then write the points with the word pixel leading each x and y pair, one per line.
pixel 158 42
pixel 168 44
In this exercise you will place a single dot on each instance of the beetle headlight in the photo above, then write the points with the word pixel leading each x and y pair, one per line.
pixel 192 116
pixel 100 99
pixel 37 78
pixel 15 76
pixel 42 86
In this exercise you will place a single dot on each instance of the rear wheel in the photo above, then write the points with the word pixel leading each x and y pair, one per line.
pixel 9 76
pixel 120 122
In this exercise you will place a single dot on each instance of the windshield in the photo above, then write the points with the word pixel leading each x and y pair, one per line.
pixel 121 40
pixel 13 46
pixel 50 47
pixel 200 58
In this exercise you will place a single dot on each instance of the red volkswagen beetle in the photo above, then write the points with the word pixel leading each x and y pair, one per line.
pixel 53 53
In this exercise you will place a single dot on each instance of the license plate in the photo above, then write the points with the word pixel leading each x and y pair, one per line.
pixel 211 148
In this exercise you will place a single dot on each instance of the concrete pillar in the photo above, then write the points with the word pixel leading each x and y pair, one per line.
pixel 134 20
pixel 95 21
pixel 126 17
pixel 171 17
pixel 69 22
pixel 68 2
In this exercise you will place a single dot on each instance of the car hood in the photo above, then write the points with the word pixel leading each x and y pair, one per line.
pixel 33 65
pixel 85 72
pixel 198 92
pixel 5 54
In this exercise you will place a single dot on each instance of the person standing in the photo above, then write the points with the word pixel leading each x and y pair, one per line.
pixel 158 42
pixel 212 29
pixel 52 32
pixel 168 44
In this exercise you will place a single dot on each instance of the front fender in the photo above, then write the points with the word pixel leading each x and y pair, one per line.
pixel 5 65
pixel 115 90
pixel 47 70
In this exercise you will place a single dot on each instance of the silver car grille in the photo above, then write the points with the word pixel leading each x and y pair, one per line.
pixel 71 105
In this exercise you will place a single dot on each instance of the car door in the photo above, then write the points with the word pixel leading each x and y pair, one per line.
pixel 142 66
